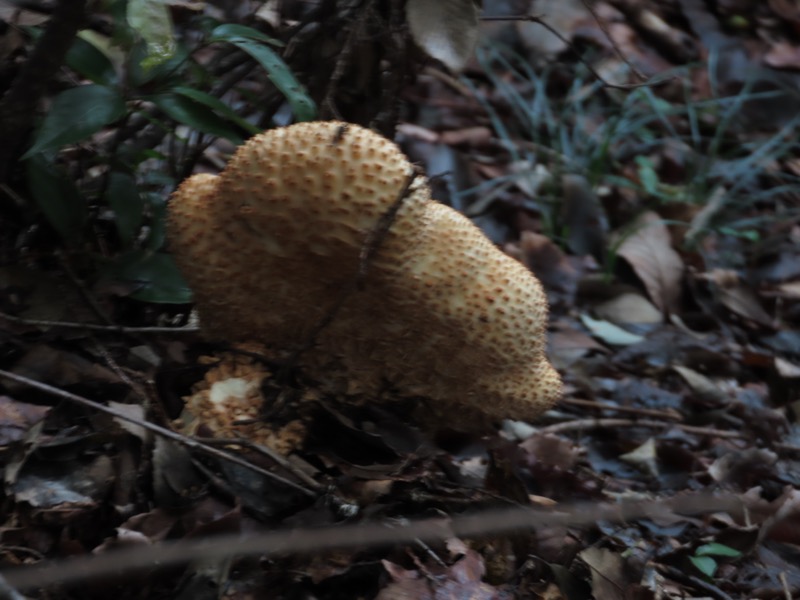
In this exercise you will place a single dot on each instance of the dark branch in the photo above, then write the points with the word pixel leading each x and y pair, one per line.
pixel 314 541
pixel 17 109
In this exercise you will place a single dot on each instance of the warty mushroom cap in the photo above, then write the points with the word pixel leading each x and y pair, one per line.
pixel 269 245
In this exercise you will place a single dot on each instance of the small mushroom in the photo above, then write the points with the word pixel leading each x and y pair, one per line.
pixel 271 245
pixel 228 403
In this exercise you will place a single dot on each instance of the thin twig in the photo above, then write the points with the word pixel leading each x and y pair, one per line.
pixel 96 326
pixel 343 62
pixel 787 593
pixel 275 457
pixel 685 578
pixel 604 28
pixel 118 370
pixel 18 106
pixel 370 247
pixel 315 540
pixel 619 86
pixel 7 592
pixel 376 237
pixel 450 81
pixel 648 412
pixel 789 507
pixel 157 429
pixel 87 296
pixel 582 424
pixel 431 554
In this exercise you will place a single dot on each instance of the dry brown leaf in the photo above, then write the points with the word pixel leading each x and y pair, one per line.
pixel 649 251
pixel 783 56
pixel 569 344
pixel 629 308
pixel 736 297
pixel 790 290
pixel 583 217
pixel 549 262
pixel 608 578
pixel 446 29
pixel 701 385
pixel 562 15
pixel 645 457
pixel 786 369
pixel 16 418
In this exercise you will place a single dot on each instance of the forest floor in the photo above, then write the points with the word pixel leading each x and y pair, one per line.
pixel 653 186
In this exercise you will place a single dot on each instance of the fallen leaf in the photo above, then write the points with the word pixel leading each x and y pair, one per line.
pixel 644 457
pixel 551 450
pixel 563 16
pixel 629 308
pixel 551 266
pixel 783 56
pixel 569 344
pixel 16 418
pixel 133 411
pixel 610 333
pixel 446 29
pixel 737 298
pixel 584 218
pixel 703 387
pixel 608 579
pixel 786 369
pixel 649 251
pixel 742 468
pixel 472 136
pixel 529 178
pixel 70 483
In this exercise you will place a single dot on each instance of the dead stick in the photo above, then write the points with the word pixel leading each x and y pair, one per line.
pixel 581 424
pixel 314 541
pixel 96 326
pixel 157 429
pixel 649 412
pixel 370 247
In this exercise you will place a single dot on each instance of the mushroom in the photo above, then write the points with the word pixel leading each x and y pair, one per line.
pixel 270 246
pixel 228 403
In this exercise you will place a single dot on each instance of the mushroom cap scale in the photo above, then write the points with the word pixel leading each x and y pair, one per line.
pixel 269 245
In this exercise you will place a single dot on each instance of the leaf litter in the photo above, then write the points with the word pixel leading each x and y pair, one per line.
pixel 679 341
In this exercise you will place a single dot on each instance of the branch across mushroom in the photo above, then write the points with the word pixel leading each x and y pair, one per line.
pixel 269 245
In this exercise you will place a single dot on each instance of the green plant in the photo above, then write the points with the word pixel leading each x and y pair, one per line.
pixel 705 557
pixel 149 101
pixel 599 133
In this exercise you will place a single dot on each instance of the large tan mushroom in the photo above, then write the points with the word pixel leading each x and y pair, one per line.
pixel 269 245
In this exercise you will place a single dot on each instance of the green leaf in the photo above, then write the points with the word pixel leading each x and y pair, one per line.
pixel 157 276
pixel 76 114
pixel 88 60
pixel 705 564
pixel 195 115
pixel 167 72
pixel 85 58
pixel 151 20
pixel 751 235
pixel 647 175
pixel 158 227
pixel 57 197
pixel 217 105
pixel 230 31
pixel 281 76
pixel 715 549
pixel 122 195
